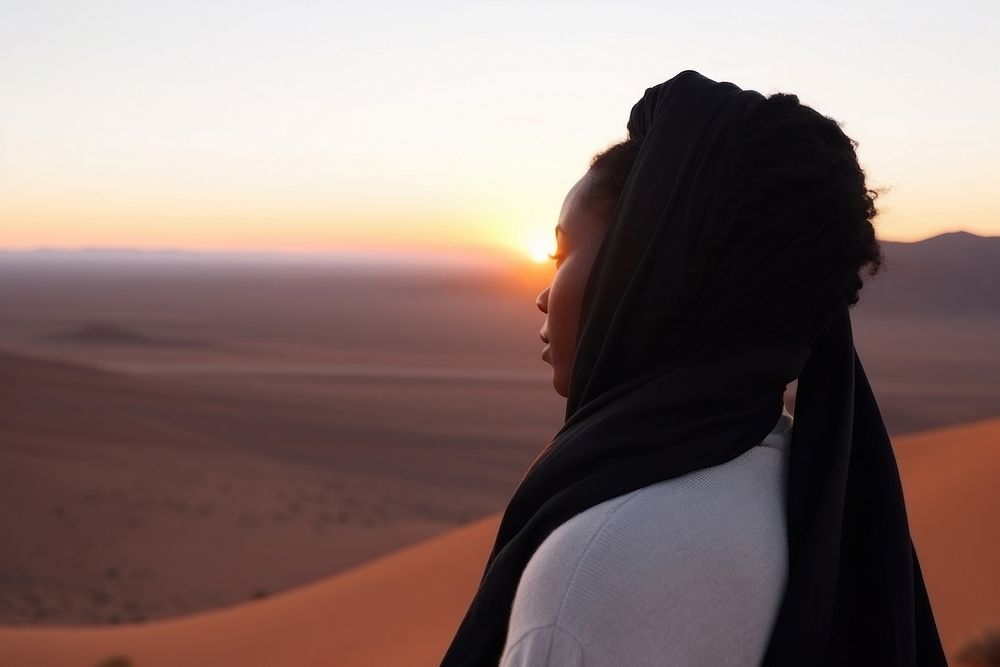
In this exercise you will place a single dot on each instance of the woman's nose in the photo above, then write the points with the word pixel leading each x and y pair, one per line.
pixel 543 301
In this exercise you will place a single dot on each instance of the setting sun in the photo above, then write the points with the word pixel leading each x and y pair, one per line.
pixel 539 248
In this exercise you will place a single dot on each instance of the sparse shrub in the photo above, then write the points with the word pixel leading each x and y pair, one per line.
pixel 115 661
pixel 983 651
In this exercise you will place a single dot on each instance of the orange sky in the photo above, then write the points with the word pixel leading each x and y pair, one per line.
pixel 258 126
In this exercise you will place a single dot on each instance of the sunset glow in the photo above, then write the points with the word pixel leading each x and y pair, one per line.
pixel 540 248
pixel 317 127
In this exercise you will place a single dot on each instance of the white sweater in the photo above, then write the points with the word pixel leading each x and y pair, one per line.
pixel 688 571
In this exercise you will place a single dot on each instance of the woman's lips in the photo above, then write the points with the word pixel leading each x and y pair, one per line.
pixel 545 351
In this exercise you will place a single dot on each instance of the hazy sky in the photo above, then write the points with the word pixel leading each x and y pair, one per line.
pixel 324 125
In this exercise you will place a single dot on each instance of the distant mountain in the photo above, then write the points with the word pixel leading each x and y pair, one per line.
pixel 952 274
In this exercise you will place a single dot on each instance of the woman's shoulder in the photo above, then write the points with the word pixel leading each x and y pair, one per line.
pixel 711 542
pixel 664 531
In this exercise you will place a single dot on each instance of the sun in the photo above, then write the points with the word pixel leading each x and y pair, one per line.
pixel 540 247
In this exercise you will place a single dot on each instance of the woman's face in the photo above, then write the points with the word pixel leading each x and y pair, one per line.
pixel 579 234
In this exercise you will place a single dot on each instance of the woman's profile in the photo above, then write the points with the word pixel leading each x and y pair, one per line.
pixel 682 515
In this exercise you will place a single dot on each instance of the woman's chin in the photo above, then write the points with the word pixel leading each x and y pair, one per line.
pixel 559 384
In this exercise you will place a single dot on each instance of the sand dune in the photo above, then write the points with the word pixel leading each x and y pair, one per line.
pixel 402 608
pixel 105 333
pixel 327 417
pixel 950 483
pixel 928 327
pixel 396 610
pixel 138 497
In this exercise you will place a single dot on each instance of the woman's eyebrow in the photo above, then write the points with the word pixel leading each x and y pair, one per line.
pixel 559 230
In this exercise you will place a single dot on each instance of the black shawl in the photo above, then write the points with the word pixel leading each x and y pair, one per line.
pixel 671 375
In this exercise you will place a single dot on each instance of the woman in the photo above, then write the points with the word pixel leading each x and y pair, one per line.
pixel 677 517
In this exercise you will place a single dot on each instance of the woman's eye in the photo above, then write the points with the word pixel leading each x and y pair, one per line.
pixel 557 256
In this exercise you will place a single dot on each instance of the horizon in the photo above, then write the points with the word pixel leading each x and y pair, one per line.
pixel 456 254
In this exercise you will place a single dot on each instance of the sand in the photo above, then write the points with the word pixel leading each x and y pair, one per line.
pixel 953 502
pixel 130 498
pixel 396 610
pixel 186 439
pixel 403 608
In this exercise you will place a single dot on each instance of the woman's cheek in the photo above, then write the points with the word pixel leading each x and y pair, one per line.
pixel 565 299
pixel 558 310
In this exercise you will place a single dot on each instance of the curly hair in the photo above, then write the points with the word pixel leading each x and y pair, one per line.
pixel 799 215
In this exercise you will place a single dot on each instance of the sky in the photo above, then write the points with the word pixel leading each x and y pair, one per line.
pixel 457 126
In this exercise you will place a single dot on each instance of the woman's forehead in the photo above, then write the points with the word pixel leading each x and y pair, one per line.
pixel 575 211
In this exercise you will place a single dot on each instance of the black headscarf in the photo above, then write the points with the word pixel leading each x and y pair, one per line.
pixel 670 376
